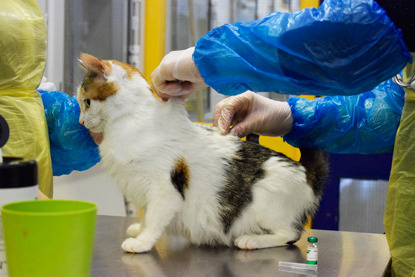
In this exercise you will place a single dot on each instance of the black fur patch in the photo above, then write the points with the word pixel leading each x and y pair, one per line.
pixel 252 138
pixel 243 171
pixel 317 167
pixel 179 176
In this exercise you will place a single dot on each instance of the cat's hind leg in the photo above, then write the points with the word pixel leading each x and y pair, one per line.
pixel 251 242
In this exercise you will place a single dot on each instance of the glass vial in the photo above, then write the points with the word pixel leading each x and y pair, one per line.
pixel 312 250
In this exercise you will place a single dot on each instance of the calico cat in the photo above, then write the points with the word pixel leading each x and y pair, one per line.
pixel 191 180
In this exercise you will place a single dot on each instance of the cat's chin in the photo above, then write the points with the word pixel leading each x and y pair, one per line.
pixel 97 137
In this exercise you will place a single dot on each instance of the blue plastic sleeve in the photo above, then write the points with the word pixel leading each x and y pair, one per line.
pixel 342 48
pixel 364 123
pixel 71 146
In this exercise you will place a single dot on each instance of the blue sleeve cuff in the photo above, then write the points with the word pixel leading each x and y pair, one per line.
pixel 364 124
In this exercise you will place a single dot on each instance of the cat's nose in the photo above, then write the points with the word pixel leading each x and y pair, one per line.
pixel 81 122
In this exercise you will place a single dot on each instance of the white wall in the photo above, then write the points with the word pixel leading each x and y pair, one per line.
pixel 92 185
pixel 53 12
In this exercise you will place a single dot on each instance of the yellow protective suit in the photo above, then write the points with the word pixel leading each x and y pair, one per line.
pixel 400 203
pixel 22 63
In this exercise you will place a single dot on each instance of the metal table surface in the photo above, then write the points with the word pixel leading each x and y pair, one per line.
pixel 340 254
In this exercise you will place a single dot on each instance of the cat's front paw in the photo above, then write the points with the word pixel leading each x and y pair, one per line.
pixel 134 230
pixel 246 242
pixel 136 245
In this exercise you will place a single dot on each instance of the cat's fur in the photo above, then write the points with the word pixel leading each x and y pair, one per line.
pixel 192 181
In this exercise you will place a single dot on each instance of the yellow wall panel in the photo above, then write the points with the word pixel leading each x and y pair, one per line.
pixel 277 144
pixel 309 3
pixel 154 35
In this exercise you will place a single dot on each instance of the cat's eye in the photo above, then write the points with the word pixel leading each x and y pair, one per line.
pixel 87 103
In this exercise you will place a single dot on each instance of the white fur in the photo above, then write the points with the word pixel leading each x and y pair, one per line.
pixel 143 137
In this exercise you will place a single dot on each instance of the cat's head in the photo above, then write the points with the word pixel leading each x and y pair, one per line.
pixel 104 82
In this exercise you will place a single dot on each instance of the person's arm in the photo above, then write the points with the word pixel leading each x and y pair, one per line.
pixel 364 123
pixel 341 48
pixel 71 146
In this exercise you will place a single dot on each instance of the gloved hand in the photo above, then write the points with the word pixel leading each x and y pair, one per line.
pixel 177 75
pixel 253 113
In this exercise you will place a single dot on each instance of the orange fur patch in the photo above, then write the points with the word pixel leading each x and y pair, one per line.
pixel 100 91
pixel 181 166
pixel 130 69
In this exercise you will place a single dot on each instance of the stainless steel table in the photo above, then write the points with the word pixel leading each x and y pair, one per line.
pixel 340 254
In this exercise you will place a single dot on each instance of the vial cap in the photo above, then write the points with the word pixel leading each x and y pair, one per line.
pixel 312 239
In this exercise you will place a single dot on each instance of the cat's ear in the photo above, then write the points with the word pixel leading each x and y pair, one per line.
pixel 92 64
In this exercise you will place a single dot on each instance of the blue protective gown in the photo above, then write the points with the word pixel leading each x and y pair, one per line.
pixel 365 123
pixel 341 48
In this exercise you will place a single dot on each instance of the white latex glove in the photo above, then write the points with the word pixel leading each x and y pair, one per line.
pixel 177 75
pixel 46 86
pixel 252 113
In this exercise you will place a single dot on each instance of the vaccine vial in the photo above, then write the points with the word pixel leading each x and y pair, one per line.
pixel 312 250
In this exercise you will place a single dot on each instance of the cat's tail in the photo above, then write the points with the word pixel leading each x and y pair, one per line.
pixel 316 164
